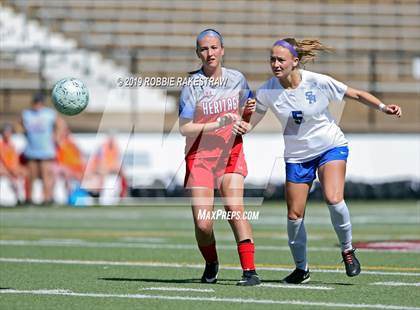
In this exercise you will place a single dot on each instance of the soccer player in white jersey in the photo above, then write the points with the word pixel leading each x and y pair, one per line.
pixel 313 143
pixel 214 156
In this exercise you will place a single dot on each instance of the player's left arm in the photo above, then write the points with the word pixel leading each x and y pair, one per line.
pixel 372 101
pixel 247 110
pixel 243 125
pixel 59 128
pixel 250 118
pixel 19 126
pixel 247 101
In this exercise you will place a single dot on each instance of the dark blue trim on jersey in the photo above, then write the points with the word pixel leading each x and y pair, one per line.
pixel 186 104
pixel 246 94
pixel 185 111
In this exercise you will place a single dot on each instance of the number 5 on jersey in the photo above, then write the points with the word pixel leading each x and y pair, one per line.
pixel 297 116
pixel 293 123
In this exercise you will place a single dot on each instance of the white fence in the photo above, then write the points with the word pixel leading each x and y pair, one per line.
pixel 373 158
pixel 157 161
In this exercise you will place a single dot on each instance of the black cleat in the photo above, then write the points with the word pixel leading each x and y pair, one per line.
pixel 210 273
pixel 351 263
pixel 249 278
pixel 298 276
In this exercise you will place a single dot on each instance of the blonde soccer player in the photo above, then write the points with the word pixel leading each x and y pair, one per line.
pixel 314 143
pixel 214 156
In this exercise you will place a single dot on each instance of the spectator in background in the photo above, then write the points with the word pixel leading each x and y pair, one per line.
pixel 109 157
pixel 70 161
pixel 106 161
pixel 41 126
pixel 10 166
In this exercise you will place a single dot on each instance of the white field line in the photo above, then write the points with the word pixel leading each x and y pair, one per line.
pixel 89 244
pixel 177 289
pixel 210 299
pixel 303 287
pixel 396 283
pixel 178 265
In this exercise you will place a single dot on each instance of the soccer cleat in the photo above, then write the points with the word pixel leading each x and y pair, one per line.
pixel 210 273
pixel 351 263
pixel 298 276
pixel 249 278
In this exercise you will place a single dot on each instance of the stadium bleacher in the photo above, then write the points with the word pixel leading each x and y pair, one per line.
pixel 375 43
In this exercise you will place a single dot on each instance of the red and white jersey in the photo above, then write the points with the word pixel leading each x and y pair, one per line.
pixel 203 102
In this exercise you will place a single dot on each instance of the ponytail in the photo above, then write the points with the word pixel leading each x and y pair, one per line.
pixel 307 49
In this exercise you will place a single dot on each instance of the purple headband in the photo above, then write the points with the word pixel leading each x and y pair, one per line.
pixel 287 45
pixel 211 33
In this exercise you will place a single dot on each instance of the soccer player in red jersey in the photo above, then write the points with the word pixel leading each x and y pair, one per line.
pixel 210 103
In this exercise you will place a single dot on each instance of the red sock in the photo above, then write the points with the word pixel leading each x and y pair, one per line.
pixel 209 253
pixel 246 255
pixel 124 187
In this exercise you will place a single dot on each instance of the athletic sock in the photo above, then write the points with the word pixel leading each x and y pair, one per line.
pixel 297 242
pixel 340 218
pixel 246 251
pixel 209 253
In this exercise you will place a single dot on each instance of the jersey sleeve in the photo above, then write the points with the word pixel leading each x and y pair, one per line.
pixel 245 93
pixel 186 103
pixel 262 102
pixel 335 89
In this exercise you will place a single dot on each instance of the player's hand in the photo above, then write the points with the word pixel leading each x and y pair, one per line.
pixel 228 118
pixel 393 109
pixel 250 105
pixel 241 127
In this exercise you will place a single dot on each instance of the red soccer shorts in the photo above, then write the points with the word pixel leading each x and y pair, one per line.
pixel 206 172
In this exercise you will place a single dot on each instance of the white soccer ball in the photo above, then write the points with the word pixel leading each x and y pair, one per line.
pixel 70 96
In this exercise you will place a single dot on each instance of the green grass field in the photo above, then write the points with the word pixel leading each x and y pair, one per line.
pixel 146 258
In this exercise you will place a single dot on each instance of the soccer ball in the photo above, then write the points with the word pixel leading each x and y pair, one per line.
pixel 70 96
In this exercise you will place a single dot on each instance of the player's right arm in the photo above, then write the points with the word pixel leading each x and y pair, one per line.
pixel 187 127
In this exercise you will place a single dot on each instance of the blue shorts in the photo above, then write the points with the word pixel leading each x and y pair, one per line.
pixel 306 172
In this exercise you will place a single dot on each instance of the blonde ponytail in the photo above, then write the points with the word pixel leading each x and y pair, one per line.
pixel 308 49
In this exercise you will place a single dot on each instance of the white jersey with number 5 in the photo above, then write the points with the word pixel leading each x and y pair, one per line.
pixel 309 128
